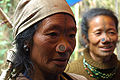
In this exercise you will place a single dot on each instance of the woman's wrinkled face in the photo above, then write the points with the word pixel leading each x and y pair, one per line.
pixel 55 31
pixel 102 36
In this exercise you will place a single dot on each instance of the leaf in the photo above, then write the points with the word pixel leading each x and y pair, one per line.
pixel 9 4
pixel 6 10
pixel 3 43
pixel 1 2
pixel 2 52
pixel 1 61
pixel 7 0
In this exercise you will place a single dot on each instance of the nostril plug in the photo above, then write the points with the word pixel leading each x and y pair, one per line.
pixel 103 39
pixel 61 48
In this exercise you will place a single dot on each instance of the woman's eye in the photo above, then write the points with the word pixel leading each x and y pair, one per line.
pixel 97 33
pixel 111 33
pixel 52 34
pixel 72 35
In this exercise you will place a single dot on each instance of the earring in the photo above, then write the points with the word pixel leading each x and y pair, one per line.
pixel 26 48
pixel 86 46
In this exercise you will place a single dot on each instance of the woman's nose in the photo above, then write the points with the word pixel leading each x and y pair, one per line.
pixel 61 47
pixel 105 39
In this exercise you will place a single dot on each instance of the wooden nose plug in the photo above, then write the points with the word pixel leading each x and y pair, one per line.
pixel 61 48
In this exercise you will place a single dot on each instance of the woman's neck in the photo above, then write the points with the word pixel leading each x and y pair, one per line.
pixel 39 76
pixel 100 59
pixel 42 75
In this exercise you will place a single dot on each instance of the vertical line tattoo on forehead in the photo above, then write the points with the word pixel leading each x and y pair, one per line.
pixel 104 25
pixel 65 22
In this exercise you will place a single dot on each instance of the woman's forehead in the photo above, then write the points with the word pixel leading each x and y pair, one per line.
pixel 101 21
pixel 58 19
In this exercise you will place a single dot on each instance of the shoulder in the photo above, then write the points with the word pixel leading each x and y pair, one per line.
pixel 118 62
pixel 118 67
pixel 77 62
pixel 75 65
pixel 21 77
pixel 76 76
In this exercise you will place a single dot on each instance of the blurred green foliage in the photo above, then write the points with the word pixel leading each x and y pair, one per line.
pixel 5 4
pixel 5 32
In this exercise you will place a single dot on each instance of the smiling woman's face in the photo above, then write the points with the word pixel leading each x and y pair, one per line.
pixel 53 31
pixel 102 35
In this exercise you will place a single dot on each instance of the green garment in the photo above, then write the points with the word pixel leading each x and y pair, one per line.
pixel 77 66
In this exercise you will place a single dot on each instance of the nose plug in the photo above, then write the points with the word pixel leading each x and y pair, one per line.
pixel 103 39
pixel 61 48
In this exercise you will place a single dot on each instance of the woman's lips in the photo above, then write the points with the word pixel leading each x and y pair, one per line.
pixel 106 48
pixel 60 61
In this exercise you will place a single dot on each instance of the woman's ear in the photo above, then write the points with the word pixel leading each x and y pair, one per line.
pixel 85 40
pixel 27 44
pixel 27 48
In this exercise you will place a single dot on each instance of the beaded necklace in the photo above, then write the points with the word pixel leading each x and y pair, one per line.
pixel 97 74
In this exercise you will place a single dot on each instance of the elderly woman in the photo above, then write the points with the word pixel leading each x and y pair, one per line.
pixel 44 33
pixel 100 33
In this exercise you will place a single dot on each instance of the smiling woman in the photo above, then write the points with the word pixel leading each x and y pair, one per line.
pixel 103 36
pixel 44 39
pixel 100 32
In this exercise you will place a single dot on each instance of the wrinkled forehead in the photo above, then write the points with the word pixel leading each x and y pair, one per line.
pixel 29 12
pixel 59 21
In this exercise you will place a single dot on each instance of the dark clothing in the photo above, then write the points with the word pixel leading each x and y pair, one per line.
pixel 63 76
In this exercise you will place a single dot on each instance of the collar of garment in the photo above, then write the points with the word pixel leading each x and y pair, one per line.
pixel 62 76
pixel 111 64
